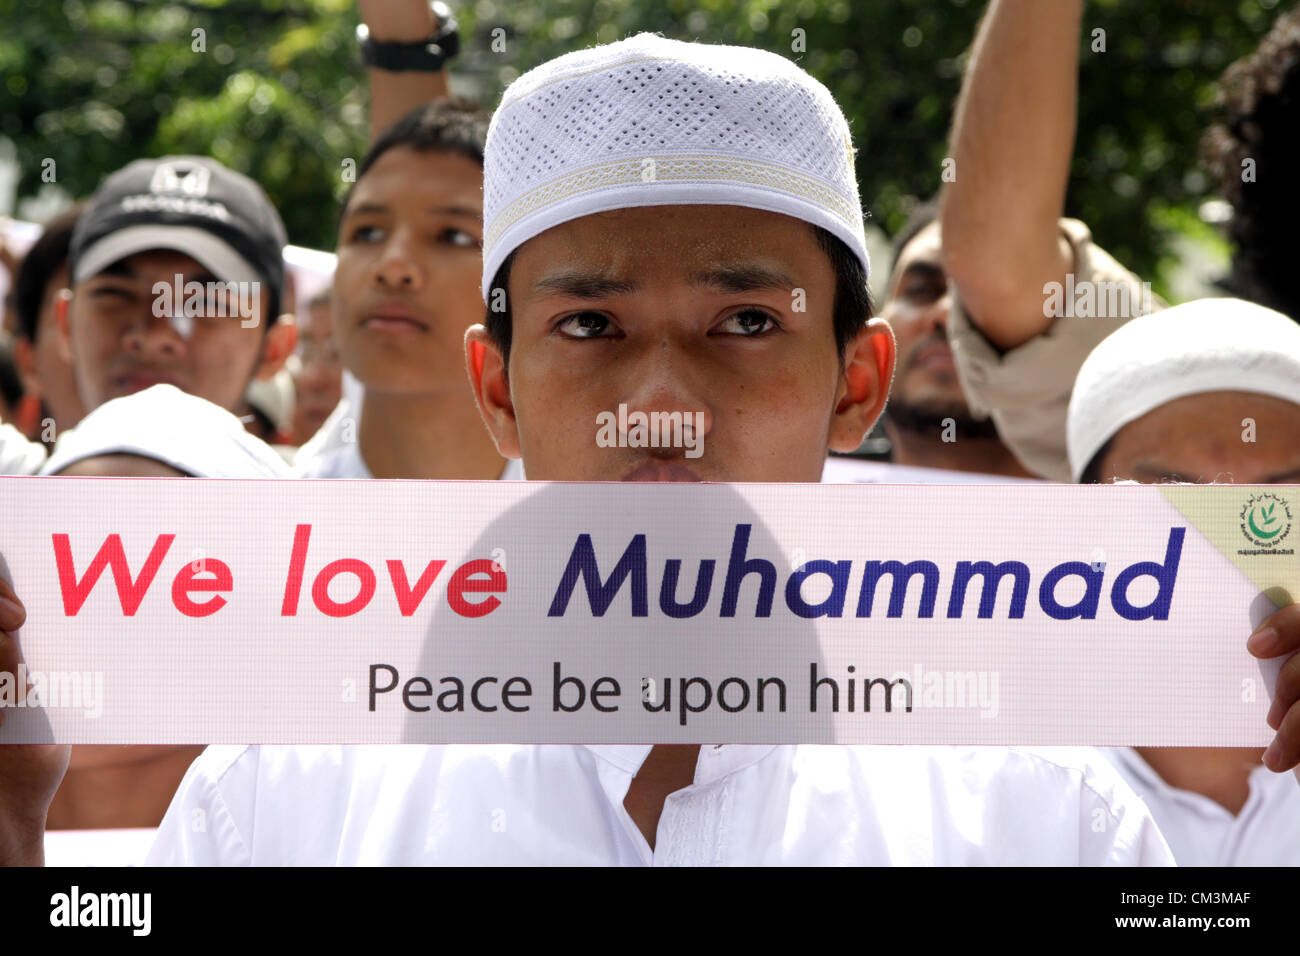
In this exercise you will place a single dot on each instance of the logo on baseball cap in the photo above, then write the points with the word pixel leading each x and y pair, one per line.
pixel 190 204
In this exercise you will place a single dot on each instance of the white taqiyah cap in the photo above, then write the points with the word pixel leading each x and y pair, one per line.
pixel 650 121
pixel 188 433
pixel 1209 345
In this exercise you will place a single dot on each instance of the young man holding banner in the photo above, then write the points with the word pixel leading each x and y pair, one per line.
pixel 728 288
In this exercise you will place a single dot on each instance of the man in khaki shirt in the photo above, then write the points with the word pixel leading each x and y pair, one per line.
pixel 1033 294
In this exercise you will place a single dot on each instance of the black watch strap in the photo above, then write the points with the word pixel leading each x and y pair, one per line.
pixel 427 56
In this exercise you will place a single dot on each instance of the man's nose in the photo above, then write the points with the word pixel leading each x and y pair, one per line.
pixel 936 314
pixel 667 382
pixel 158 336
pixel 399 266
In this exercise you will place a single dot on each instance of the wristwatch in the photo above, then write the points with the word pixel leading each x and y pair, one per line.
pixel 427 56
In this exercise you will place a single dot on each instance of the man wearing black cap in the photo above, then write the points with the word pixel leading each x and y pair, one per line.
pixel 176 276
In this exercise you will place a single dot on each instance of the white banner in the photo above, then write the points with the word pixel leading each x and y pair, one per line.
pixel 192 611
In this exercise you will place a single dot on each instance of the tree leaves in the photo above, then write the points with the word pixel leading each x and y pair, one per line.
pixel 97 83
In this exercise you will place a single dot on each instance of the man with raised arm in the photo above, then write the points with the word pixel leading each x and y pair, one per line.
pixel 1032 293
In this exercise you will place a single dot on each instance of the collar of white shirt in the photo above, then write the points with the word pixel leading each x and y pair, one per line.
pixel 714 763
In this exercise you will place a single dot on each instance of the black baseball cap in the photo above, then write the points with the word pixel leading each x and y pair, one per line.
pixel 190 204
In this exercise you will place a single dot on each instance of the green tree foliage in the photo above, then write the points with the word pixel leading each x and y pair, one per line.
pixel 275 89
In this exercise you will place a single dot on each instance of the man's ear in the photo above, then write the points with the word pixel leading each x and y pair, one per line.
pixel 864 386
pixel 487 377
pixel 62 321
pixel 281 339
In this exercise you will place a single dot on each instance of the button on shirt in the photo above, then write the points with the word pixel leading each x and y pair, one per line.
pixel 1202 832
pixel 563 805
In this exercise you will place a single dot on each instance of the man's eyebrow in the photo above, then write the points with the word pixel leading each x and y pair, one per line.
pixel 743 278
pixel 931 270
pixel 467 211
pixel 585 285
pixel 916 269
pixel 365 208
pixel 371 208
pixel 739 278
pixel 121 269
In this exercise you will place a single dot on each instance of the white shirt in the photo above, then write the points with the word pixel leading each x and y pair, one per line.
pixel 18 454
pixel 563 805
pixel 843 470
pixel 123 847
pixel 1202 832
pixel 346 462
pixel 340 425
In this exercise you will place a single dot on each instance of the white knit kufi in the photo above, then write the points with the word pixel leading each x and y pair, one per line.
pixel 650 121
pixel 181 430
pixel 1209 345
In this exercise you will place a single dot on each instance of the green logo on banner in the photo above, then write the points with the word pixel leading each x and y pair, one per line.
pixel 1266 520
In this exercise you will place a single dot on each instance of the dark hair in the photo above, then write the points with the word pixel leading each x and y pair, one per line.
pixel 921 216
pixel 46 256
pixel 11 385
pixel 452 125
pixel 1259 97
pixel 850 310
pixel 1092 472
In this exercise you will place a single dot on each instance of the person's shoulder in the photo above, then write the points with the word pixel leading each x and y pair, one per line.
pixel 978 767
pixel 1086 767
pixel 306 762
pixel 1114 825
pixel 217 760
pixel 1083 770
pixel 287 805
pixel 1042 805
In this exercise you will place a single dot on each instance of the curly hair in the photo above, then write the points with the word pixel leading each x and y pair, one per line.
pixel 1251 150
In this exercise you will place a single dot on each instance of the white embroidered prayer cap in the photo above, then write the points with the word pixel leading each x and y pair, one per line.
pixel 1208 345
pixel 184 431
pixel 650 121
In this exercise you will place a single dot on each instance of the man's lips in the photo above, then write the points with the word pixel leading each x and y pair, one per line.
pixel 394 318
pixel 138 381
pixel 934 355
pixel 661 471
